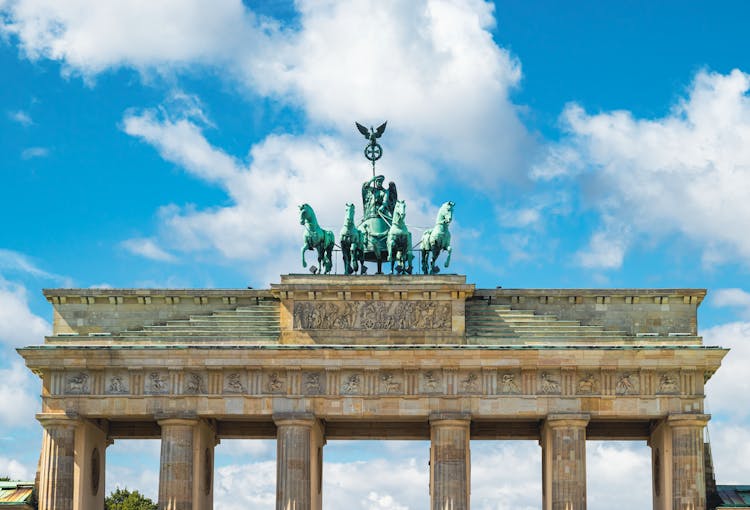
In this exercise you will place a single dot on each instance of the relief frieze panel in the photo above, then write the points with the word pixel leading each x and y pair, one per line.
pixel 509 383
pixel 372 315
pixel 588 384
pixel 157 383
pixel 628 383
pixel 235 382
pixel 117 384
pixel 78 384
pixel 384 382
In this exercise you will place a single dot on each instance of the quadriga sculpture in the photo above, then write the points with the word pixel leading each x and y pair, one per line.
pixel 316 239
pixel 436 239
pixel 399 241
pixel 352 242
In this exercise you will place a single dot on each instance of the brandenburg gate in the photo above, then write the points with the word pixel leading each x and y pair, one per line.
pixel 319 357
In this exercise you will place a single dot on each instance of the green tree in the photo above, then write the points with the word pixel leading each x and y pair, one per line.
pixel 4 479
pixel 123 499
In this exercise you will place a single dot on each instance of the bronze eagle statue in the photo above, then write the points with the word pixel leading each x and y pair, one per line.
pixel 372 134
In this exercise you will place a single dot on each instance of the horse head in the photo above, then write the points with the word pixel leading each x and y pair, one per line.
pixel 306 214
pixel 349 213
pixel 399 212
pixel 445 214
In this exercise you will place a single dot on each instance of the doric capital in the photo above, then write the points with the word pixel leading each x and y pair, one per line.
pixel 455 419
pixel 294 419
pixel 57 420
pixel 575 420
pixel 688 420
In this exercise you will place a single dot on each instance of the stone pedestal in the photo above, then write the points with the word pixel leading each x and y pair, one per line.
pixel 564 462
pixel 187 457
pixel 56 477
pixel 678 465
pixel 299 462
pixel 450 464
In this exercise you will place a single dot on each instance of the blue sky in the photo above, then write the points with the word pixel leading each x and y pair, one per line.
pixel 586 144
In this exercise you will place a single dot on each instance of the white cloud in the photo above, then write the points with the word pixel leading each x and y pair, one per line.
pixel 21 117
pixel 19 386
pixel 90 37
pixel 34 152
pixel 686 173
pixel 618 475
pixel 15 470
pixel 261 223
pixel 731 379
pixel 430 67
pixel 147 247
pixel 735 298
pixel 18 325
pixel 14 261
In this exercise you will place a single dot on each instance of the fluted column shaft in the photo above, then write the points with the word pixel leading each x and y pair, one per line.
pixel 564 462
pixel 299 445
pixel 176 469
pixel 677 451
pixel 450 462
pixel 56 477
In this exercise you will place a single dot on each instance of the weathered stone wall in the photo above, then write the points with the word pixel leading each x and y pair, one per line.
pixel 92 311
pixel 635 311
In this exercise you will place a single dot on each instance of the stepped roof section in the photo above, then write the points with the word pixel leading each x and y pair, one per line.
pixel 376 310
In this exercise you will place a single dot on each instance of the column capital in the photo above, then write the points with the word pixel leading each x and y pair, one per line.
pixel 567 420
pixel 450 418
pixel 301 419
pixel 688 420
pixel 57 420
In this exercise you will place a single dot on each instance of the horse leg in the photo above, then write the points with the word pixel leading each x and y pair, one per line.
pixel 346 253
pixel 329 258
pixel 304 249
pixel 448 260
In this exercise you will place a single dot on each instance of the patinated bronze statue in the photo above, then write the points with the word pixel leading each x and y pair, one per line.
pixel 436 239
pixel 316 239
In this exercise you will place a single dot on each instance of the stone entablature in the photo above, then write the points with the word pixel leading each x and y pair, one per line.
pixel 639 382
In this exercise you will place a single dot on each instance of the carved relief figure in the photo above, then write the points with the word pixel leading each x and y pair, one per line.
pixel 390 383
pixel 508 384
pixel 158 383
pixel 471 383
pixel 627 384
pixel 587 384
pixel 371 315
pixel 549 385
pixel 194 384
pixel 312 383
pixel 78 383
pixel 234 383
pixel 668 384
pixel 116 385
pixel 352 384
pixel 275 382
pixel 431 380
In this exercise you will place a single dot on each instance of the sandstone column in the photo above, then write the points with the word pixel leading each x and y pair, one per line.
pixel 450 464
pixel 56 477
pixel 677 450
pixel 90 454
pixel 299 462
pixel 564 462
pixel 176 469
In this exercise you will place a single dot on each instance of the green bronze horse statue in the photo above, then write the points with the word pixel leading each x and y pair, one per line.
pixel 398 243
pixel 316 239
pixel 436 239
pixel 352 242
